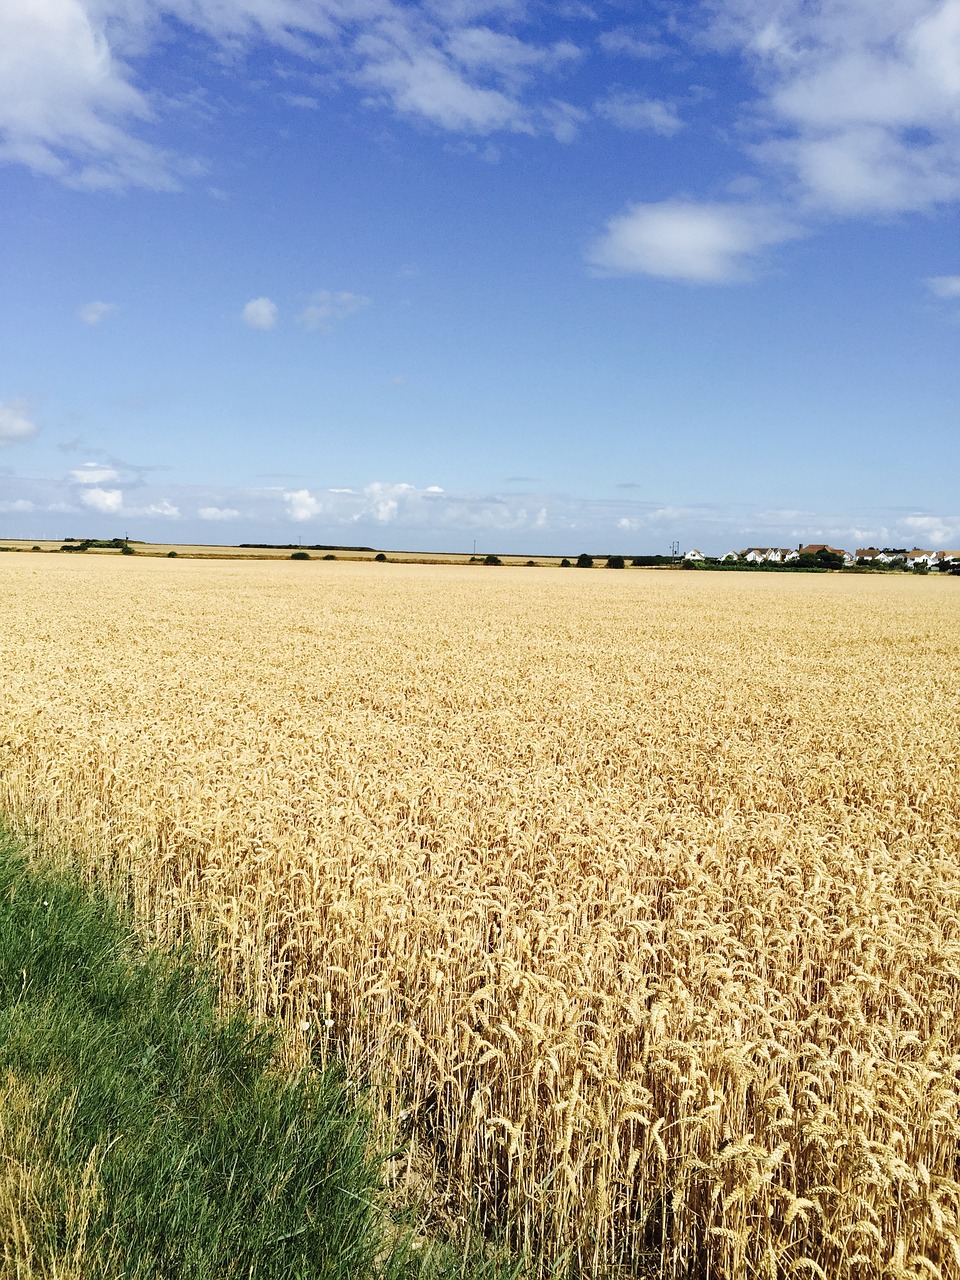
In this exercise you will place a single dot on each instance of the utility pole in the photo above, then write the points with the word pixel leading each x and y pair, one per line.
pixel 674 550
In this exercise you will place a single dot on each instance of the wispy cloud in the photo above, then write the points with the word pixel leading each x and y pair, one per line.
pixel 325 309
pixel 860 104
pixel 72 107
pixel 629 110
pixel 853 113
pixel 15 422
pixel 626 43
pixel 92 313
pixel 944 286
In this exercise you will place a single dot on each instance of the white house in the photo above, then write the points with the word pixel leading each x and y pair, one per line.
pixel 767 555
pixel 919 557
pixel 694 555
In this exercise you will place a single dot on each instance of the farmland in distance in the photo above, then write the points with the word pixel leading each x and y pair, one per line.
pixel 634 897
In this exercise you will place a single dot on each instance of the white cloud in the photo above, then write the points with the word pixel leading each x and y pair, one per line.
pixel 325 309
pixel 705 243
pixel 481 48
pixel 15 422
pixel 94 473
pixel 944 286
pixel 67 104
pixel 71 107
pixel 92 313
pixel 112 502
pixel 302 505
pixel 259 313
pixel 563 120
pixel 855 113
pixel 424 83
pixel 939 531
pixel 163 508
pixel 624 42
pixel 17 506
pixel 861 103
pixel 109 501
pixel 634 111
pixel 218 513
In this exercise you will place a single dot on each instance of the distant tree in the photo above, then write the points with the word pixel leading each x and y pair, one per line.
pixel 492 560
pixel 329 556
pixel 616 562
pixel 127 550
pixel 564 563
pixel 829 559
pixel 531 564
pixel 380 558
pixel 302 555
pixel 584 561
pixel 171 555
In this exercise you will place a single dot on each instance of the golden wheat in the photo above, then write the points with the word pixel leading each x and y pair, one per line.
pixel 635 897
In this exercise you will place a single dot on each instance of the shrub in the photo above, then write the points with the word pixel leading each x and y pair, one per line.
pixel 329 556
pixel 36 548
pixel 304 555
pixel 492 560
pixel 584 561
pixel 564 563
pixel 531 564
pixel 171 555
pixel 127 550
pixel 380 558
pixel 615 562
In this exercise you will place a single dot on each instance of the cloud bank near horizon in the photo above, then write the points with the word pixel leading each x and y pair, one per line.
pixel 94 496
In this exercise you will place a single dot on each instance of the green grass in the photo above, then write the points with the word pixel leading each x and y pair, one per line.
pixel 143 1135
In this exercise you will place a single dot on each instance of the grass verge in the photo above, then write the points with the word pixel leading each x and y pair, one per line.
pixel 144 1135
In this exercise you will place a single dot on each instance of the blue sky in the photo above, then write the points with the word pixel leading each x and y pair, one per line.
pixel 550 277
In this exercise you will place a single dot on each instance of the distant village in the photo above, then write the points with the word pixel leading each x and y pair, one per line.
pixel 835 557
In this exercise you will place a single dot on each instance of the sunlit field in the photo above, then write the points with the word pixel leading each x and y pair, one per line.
pixel 633 896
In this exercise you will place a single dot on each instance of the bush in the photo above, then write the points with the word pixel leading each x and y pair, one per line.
pixel 615 562
pixel 492 560
pixel 127 550
pixel 564 563
pixel 171 555
pixel 584 561
pixel 380 558
pixel 302 555
pixel 329 556
pixel 531 564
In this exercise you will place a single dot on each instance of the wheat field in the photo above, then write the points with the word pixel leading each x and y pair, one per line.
pixel 633 897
